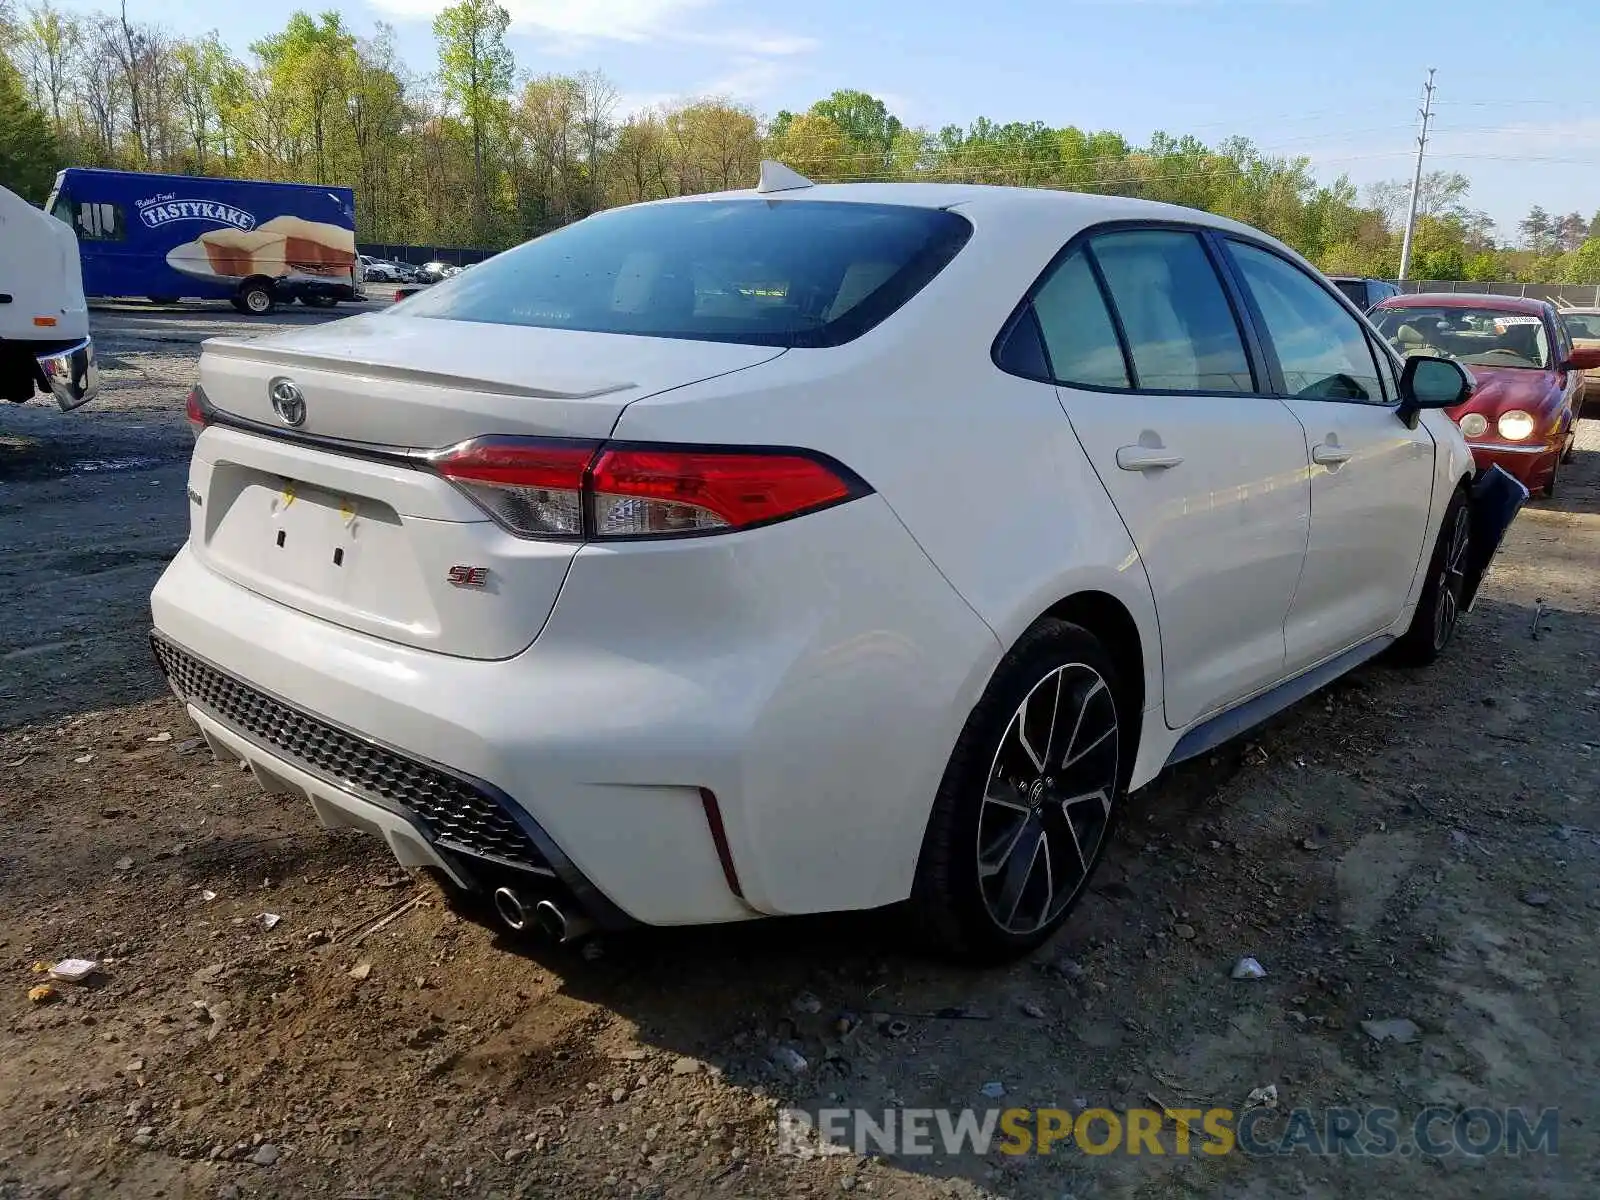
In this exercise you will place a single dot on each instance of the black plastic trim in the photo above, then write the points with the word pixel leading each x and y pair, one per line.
pixel 404 456
pixel 1231 722
pixel 586 894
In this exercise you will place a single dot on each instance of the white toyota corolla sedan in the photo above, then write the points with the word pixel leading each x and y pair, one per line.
pixel 806 548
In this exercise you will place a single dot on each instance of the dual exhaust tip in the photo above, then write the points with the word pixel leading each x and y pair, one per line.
pixel 518 916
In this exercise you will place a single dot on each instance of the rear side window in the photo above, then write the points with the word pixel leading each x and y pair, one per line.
pixel 1322 349
pixel 1180 329
pixel 771 273
pixel 1077 330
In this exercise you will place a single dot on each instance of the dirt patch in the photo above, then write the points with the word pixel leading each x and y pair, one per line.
pixel 1417 846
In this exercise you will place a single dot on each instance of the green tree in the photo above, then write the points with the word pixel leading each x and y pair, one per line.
pixel 475 70
pixel 868 127
pixel 812 145
pixel 47 42
pixel 309 64
pixel 202 64
pixel 29 158
pixel 1484 267
pixel 1445 263
pixel 1583 264
pixel 1536 229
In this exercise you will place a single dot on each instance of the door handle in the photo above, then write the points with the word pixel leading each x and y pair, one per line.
pixel 1146 458
pixel 1329 454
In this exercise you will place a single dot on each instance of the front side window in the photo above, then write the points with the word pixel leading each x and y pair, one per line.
pixel 1322 349
pixel 760 272
pixel 1180 328
pixel 1563 341
pixel 1478 337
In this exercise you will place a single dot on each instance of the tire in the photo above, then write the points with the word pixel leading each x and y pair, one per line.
pixel 256 298
pixel 974 897
pixel 1438 613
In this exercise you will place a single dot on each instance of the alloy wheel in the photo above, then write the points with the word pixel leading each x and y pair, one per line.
pixel 1047 804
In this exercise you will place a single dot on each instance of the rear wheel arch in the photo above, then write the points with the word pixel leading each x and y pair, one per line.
pixel 1109 619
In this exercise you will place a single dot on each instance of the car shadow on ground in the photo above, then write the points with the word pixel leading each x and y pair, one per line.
pixel 1585 464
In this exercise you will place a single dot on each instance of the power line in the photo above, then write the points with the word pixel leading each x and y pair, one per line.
pixel 871 158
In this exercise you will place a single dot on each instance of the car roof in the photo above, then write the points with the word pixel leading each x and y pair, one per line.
pixel 1511 304
pixel 989 201
pixel 1581 311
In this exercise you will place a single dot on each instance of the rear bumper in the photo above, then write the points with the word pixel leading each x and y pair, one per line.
pixel 725 729
pixel 428 815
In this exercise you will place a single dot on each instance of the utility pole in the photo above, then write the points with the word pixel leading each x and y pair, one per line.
pixel 1416 179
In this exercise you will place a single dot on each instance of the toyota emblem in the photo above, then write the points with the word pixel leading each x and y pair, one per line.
pixel 287 401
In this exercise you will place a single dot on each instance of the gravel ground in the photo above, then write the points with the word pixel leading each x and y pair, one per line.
pixel 1418 846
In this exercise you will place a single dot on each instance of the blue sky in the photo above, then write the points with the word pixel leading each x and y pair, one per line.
pixel 1337 81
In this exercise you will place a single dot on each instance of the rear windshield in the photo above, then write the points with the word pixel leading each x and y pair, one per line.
pixel 768 273
pixel 1355 291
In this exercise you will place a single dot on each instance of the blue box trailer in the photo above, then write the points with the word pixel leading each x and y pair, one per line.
pixel 176 237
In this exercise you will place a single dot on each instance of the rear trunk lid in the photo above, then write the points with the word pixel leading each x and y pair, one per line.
pixel 427 383
pixel 319 506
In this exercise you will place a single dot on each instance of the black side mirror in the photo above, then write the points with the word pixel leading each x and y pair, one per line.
pixel 1430 382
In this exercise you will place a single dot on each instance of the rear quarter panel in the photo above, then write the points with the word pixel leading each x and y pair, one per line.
pixel 981 468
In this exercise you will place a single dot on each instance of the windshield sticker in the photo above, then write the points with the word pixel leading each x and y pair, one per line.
pixel 1504 323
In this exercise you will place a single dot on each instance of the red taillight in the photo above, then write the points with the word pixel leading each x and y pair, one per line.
pixel 569 489
pixel 532 487
pixel 196 410
pixel 640 491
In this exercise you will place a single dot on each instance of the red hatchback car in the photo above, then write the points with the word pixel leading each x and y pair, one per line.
pixel 1524 411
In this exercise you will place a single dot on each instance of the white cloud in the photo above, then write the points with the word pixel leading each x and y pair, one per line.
pixel 748 78
pixel 568 25
pixel 773 45
pixel 630 103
